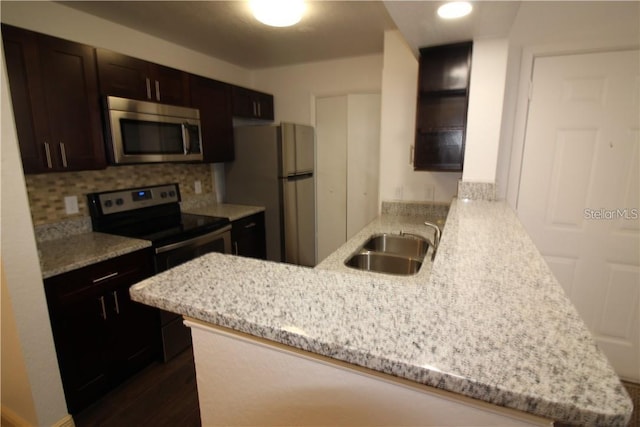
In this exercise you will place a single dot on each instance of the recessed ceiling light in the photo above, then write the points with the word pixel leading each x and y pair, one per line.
pixel 456 9
pixel 278 13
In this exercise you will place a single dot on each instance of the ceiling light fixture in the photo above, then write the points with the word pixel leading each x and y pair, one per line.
pixel 278 13
pixel 456 9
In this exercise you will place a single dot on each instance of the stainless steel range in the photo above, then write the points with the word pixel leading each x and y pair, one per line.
pixel 153 213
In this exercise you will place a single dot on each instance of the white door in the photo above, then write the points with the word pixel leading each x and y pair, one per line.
pixel 363 160
pixel 331 173
pixel 579 191
pixel 348 147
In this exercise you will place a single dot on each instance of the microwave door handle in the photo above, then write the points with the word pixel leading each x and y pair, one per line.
pixel 186 138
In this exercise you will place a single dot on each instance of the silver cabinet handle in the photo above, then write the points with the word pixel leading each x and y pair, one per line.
pixel 148 88
pixel 115 300
pixel 235 247
pixel 47 151
pixel 259 110
pixel 104 309
pixel 158 91
pixel 63 152
pixel 255 110
pixel 103 278
pixel 250 225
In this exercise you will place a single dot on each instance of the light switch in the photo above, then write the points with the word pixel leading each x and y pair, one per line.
pixel 71 205
pixel 197 186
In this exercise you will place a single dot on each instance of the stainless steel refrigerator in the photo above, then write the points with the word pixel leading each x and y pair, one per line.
pixel 274 167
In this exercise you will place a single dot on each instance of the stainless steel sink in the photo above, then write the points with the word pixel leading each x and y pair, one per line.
pixel 406 245
pixel 400 254
pixel 384 263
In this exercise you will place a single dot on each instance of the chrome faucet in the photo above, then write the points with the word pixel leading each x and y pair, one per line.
pixel 436 237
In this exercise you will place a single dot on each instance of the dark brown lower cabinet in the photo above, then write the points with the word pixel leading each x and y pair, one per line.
pixel 248 236
pixel 101 336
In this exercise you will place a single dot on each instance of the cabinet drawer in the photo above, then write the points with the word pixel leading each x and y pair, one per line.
pixel 248 225
pixel 78 284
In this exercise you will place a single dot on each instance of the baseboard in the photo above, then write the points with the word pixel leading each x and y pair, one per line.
pixel 9 418
pixel 67 421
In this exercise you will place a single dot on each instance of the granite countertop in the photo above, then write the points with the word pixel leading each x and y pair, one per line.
pixel 488 321
pixel 68 253
pixel 226 210
pixel 70 245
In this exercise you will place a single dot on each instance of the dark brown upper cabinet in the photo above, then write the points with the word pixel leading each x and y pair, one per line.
pixel 251 104
pixel 213 99
pixel 133 78
pixel 441 115
pixel 54 91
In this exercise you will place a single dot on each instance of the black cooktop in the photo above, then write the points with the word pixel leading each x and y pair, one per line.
pixel 150 213
pixel 170 229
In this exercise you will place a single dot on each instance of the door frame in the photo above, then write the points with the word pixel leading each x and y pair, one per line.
pixel 529 54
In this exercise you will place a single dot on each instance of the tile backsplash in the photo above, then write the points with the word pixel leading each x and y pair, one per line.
pixel 47 191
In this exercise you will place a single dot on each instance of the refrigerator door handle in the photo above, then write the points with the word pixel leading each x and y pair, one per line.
pixel 290 221
pixel 299 176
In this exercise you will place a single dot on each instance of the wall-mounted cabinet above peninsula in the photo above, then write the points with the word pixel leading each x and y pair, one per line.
pixel 441 115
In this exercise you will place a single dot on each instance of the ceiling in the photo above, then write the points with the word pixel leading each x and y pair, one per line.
pixel 420 26
pixel 329 30
pixel 227 30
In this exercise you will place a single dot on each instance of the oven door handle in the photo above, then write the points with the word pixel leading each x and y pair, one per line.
pixel 195 241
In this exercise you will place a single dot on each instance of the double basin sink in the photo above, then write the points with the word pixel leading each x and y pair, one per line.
pixel 399 254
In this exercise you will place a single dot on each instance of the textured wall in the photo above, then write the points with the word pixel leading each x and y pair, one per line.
pixel 47 191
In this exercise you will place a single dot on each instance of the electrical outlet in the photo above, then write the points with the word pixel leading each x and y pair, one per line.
pixel 71 205
pixel 197 186
pixel 398 193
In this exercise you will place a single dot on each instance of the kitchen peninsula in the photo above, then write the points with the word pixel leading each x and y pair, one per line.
pixel 488 324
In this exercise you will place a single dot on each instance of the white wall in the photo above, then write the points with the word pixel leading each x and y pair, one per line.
pixel 484 116
pixel 25 291
pixel 296 87
pixel 61 21
pixel 398 180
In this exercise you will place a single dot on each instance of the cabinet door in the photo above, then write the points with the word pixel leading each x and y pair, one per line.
pixel 73 104
pixel 133 335
pixel 213 99
pixel 23 70
pixel 56 104
pixel 251 104
pixel 123 76
pixel 79 324
pixel 170 86
pixel 265 106
pixel 248 237
pixel 128 77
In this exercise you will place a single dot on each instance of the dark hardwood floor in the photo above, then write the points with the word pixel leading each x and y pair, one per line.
pixel 163 394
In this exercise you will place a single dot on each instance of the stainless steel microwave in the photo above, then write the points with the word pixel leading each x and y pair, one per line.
pixel 147 132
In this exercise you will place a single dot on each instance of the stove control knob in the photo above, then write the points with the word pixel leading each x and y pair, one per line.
pixel 172 193
pixel 119 201
pixel 108 203
pixel 163 195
